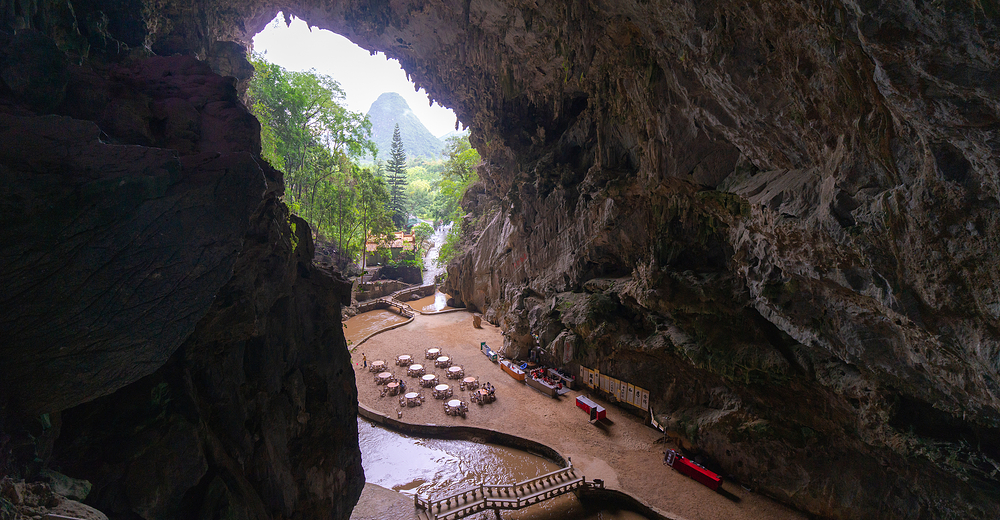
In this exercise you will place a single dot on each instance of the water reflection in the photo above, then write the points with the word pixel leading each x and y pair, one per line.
pixel 436 303
pixel 435 468
pixel 358 327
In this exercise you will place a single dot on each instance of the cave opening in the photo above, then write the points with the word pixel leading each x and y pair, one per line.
pixel 364 75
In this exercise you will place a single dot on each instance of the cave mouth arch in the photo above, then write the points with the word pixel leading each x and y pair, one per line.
pixel 676 89
pixel 362 74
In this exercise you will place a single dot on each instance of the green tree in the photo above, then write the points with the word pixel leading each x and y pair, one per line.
pixel 376 222
pixel 458 174
pixel 449 249
pixel 307 132
pixel 421 233
pixel 419 198
pixel 396 178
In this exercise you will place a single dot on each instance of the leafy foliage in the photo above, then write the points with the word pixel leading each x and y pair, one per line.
pixel 459 173
pixel 450 249
pixel 421 233
pixel 307 132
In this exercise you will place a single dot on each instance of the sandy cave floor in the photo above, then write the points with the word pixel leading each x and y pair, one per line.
pixel 623 453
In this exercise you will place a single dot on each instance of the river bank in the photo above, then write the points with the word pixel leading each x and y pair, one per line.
pixel 625 453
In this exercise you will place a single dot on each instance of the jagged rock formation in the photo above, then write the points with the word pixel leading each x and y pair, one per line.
pixel 779 217
pixel 389 110
pixel 147 258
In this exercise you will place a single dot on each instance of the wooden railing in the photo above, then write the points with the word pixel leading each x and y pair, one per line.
pixel 404 310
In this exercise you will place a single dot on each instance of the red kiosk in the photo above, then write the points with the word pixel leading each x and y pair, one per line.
pixel 596 411
pixel 694 470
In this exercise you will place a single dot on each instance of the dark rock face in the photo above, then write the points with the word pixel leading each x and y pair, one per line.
pixel 152 274
pixel 247 419
pixel 779 217
pixel 407 274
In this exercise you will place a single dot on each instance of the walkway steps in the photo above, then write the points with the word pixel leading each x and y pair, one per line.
pixel 516 496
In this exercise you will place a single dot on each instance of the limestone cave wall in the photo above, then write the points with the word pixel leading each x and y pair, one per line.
pixel 165 332
pixel 781 218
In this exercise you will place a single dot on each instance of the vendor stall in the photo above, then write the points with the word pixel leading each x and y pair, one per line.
pixel 596 411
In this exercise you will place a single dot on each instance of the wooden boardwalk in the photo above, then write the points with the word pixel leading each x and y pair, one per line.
pixel 515 496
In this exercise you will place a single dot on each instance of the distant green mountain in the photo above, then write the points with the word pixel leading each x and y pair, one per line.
pixel 389 109
pixel 454 133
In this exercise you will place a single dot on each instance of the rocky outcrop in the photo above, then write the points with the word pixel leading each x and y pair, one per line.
pixel 247 419
pixel 404 273
pixel 166 335
pixel 781 218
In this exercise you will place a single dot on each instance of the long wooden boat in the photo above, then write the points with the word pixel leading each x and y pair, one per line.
pixel 693 469
pixel 512 370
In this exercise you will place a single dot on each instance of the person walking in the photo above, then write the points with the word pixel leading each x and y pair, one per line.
pixel 364 358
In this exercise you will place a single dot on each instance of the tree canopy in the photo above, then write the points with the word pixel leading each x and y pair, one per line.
pixel 307 132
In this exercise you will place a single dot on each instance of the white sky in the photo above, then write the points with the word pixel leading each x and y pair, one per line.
pixel 362 76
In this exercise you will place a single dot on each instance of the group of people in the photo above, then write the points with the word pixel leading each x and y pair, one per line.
pixel 490 391
pixel 402 386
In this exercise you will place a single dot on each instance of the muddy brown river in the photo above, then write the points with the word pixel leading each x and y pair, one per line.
pixel 437 302
pixel 361 326
pixel 434 468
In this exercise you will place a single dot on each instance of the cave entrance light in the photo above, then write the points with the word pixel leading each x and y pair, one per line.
pixel 362 75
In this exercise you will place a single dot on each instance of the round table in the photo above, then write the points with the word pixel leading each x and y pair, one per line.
pixel 404 360
pixel 415 370
pixel 383 377
pixel 393 388
pixel 470 383
pixel 443 361
pixel 455 372
pixel 442 391
pixel 411 397
pixel 433 353
pixel 454 403
pixel 377 366
pixel 428 379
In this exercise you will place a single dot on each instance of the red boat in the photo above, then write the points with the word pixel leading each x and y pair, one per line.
pixel 694 470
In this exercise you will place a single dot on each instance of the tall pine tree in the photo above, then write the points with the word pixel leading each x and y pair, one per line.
pixel 396 179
